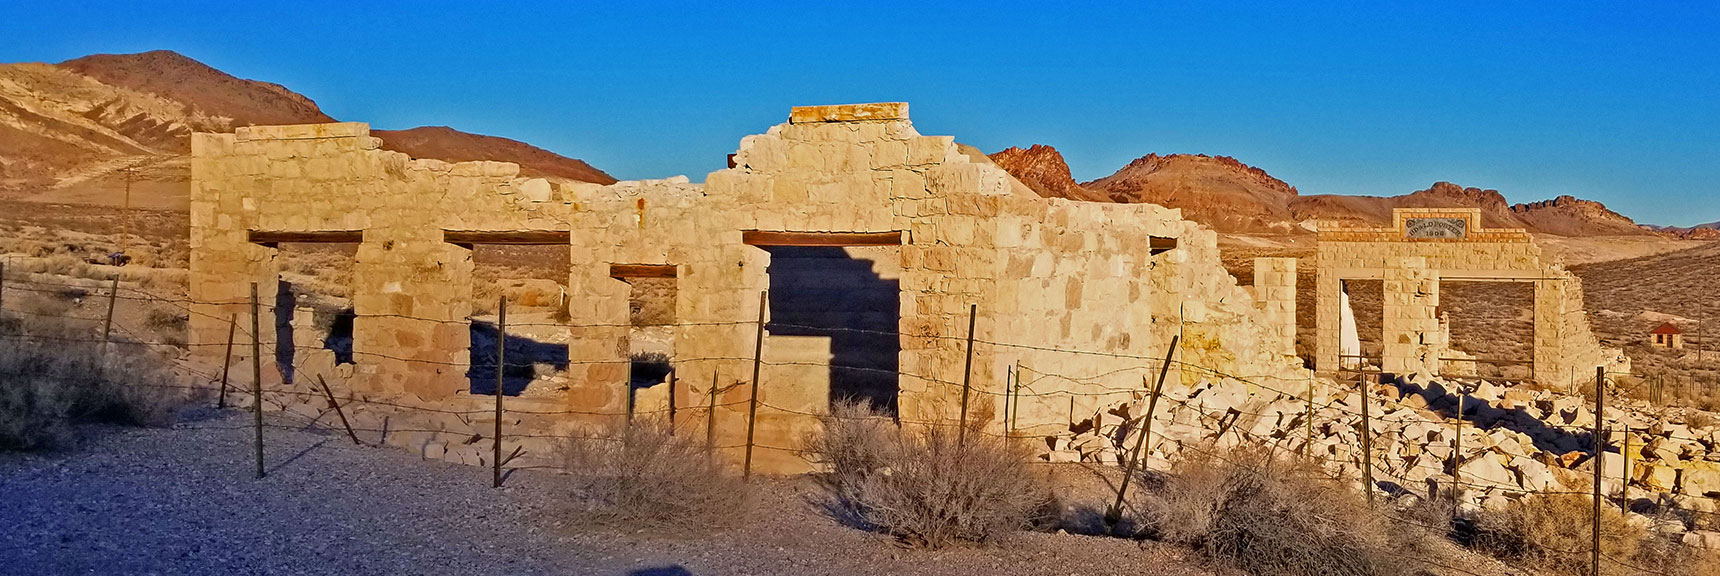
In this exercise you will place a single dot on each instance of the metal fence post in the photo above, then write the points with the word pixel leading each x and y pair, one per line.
pixel 1308 424
pixel 1014 400
pixel 107 323
pixel 501 370
pixel 1624 452
pixel 1367 440
pixel 752 404
pixel 336 406
pixel 227 360
pixel 967 373
pixel 711 419
pixel 1457 453
pixel 1600 451
pixel 1115 514
pixel 257 376
pixel 1008 397
pixel 628 391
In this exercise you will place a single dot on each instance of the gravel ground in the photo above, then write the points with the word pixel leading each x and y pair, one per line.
pixel 183 501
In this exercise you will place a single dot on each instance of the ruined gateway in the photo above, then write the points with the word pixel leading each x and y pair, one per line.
pixel 1073 302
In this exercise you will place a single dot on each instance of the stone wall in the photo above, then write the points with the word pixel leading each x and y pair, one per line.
pixel 412 290
pixel 1081 299
pixel 1411 268
pixel 1275 290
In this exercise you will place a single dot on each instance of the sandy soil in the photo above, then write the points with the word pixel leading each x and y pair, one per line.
pixel 182 501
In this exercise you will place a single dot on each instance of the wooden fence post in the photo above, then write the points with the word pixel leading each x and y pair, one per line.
pixel 257 376
pixel 752 404
pixel 501 371
pixel 967 373
pixel 227 360
pixel 1115 514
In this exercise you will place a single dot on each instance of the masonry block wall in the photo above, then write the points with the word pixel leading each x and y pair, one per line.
pixel 1411 265
pixel 1275 289
pixel 411 289
pixel 1083 298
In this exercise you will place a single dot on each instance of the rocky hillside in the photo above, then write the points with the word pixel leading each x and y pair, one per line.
pixel 82 124
pixel 1570 216
pixel 200 88
pixel 1233 197
pixel 1218 191
pixel 1709 231
pixel 1042 168
pixel 444 143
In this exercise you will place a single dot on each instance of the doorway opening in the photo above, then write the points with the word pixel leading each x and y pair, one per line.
pixel 1366 310
pixel 312 303
pixel 840 306
pixel 1489 328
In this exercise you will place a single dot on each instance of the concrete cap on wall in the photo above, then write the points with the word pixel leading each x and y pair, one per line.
pixel 874 112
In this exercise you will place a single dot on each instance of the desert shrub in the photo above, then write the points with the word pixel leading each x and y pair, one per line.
pixel 1553 533
pixel 1700 420
pixel 1271 516
pixel 51 379
pixel 920 484
pixel 168 320
pixel 644 474
pixel 170 324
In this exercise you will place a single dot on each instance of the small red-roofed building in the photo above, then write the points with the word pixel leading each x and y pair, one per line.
pixel 1666 335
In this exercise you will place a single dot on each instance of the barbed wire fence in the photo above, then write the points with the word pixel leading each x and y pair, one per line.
pixel 1022 380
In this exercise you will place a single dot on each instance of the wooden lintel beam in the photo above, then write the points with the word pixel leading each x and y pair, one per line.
pixel 625 271
pixel 510 237
pixel 767 238
pixel 268 238
pixel 1160 245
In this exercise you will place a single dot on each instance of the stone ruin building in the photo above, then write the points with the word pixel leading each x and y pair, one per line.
pixel 841 202
pixel 874 243
pixel 1424 246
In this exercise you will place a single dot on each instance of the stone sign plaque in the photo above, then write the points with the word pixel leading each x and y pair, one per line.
pixel 1436 227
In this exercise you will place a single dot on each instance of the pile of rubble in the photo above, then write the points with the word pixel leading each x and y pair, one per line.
pixel 1510 441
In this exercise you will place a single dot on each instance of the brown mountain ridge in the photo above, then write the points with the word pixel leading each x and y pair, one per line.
pixel 1235 198
pixel 77 130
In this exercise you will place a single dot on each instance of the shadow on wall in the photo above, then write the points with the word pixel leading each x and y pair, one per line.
pixel 285 304
pixel 339 337
pixel 523 357
pixel 830 292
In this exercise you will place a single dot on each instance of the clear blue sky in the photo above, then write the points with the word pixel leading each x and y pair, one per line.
pixel 1610 100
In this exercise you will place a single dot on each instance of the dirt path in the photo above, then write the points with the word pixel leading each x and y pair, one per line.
pixel 182 501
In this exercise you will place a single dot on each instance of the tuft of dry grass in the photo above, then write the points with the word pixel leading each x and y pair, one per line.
pixel 1699 420
pixel 921 485
pixel 1553 533
pixel 643 474
pixel 50 380
pixel 1271 516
